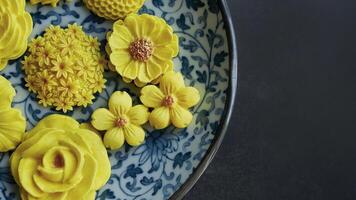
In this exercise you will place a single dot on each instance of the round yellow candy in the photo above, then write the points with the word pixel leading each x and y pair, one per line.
pixel 64 68
pixel 114 9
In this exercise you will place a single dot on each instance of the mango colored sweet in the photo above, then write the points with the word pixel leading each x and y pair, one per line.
pixel 64 68
pixel 142 48
pixel 15 28
pixel 170 101
pixel 58 160
pixel 122 121
pixel 12 123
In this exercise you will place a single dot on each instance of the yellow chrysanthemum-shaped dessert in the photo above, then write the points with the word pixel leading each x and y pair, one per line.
pixel 114 9
pixel 64 68
pixel 122 122
pixel 59 160
pixel 170 101
pixel 142 48
pixel 12 123
pixel 15 28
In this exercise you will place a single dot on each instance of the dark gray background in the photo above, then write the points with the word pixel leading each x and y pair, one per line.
pixel 292 134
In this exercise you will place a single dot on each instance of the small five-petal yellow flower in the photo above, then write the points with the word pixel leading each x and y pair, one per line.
pixel 122 121
pixel 171 101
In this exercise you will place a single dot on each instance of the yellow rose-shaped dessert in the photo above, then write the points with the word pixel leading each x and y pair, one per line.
pixel 15 28
pixel 171 101
pixel 114 9
pixel 142 48
pixel 64 68
pixel 58 160
pixel 121 122
pixel 12 123
pixel 46 2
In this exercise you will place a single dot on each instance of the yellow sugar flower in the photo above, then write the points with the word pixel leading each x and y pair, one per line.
pixel 53 32
pixel 75 31
pixel 142 48
pixel 64 68
pixel 122 122
pixel 15 28
pixel 114 9
pixel 36 44
pixel 58 160
pixel 171 101
pixel 12 123
pixel 45 54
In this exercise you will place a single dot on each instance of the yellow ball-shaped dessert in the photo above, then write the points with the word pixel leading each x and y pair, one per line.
pixel 64 68
pixel 114 9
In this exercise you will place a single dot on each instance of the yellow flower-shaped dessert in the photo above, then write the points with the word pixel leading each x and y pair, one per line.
pixel 12 123
pixel 121 122
pixel 64 68
pixel 142 48
pixel 114 9
pixel 171 101
pixel 46 2
pixel 59 160
pixel 15 28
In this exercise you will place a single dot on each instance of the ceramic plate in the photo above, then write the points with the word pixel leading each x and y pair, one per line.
pixel 171 160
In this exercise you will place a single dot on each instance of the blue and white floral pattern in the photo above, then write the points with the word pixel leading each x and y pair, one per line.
pixel 159 167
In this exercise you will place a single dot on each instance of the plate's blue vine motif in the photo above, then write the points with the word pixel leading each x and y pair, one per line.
pixel 159 167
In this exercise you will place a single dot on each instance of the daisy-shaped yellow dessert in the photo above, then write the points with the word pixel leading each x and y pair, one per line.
pixel 122 121
pixel 114 9
pixel 59 160
pixel 170 101
pixel 12 123
pixel 15 28
pixel 64 68
pixel 142 48
pixel 46 2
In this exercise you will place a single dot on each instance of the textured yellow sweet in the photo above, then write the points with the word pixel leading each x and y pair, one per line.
pixel 65 68
pixel 15 28
pixel 12 123
pixel 170 101
pixel 46 2
pixel 142 48
pixel 58 160
pixel 122 122
pixel 114 9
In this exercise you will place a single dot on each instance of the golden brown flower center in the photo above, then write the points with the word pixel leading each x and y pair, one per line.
pixel 141 49
pixel 45 81
pixel 168 101
pixel 62 66
pixel 58 161
pixel 121 122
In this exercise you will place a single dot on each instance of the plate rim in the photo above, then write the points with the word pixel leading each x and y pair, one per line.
pixel 229 107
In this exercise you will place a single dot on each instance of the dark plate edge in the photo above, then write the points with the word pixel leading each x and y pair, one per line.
pixel 188 185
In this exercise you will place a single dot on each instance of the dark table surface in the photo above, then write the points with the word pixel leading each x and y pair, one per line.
pixel 293 132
